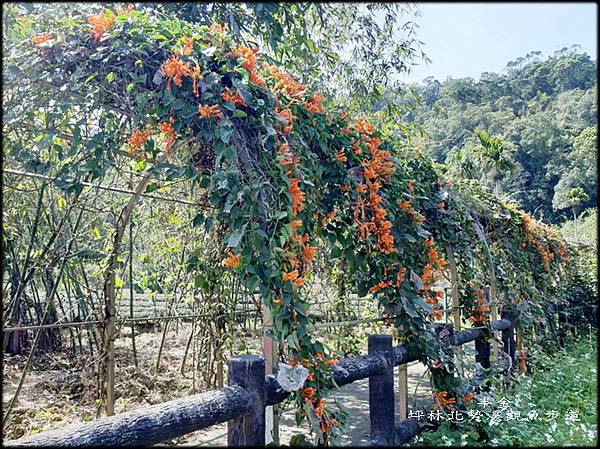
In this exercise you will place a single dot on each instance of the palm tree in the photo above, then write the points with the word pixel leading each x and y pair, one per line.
pixel 494 158
pixel 573 199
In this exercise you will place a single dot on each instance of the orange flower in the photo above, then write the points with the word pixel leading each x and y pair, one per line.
pixel 296 224
pixel 174 69
pixel 299 282
pixel 256 77
pixel 330 362
pixel 410 185
pixel 38 41
pixel 248 54
pixel 188 46
pixel 308 253
pixel 427 275
pixel 400 277
pixel 167 129
pixel 207 111
pixel 100 24
pixel 341 156
pixel 362 126
pixel 441 205
pixel 139 138
pixel 305 363
pixel 228 96
pixel 297 196
pixel 380 285
pixel 308 392
pixel 196 75
pixel 315 104
pixel 442 400
pixel 278 301
pixel 285 82
pixel 469 398
pixel 232 261
pixel 438 314
pixel 405 205
pixel 290 276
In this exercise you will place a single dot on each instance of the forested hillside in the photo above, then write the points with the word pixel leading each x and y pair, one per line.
pixel 541 116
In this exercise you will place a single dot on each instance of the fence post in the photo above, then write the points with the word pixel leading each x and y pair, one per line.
pixel 248 371
pixel 482 352
pixel 508 336
pixel 381 393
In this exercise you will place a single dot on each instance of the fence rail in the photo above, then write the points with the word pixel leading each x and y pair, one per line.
pixel 243 402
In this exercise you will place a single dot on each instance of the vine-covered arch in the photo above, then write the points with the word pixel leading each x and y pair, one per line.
pixel 284 178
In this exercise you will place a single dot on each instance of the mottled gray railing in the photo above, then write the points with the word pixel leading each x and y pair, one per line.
pixel 243 402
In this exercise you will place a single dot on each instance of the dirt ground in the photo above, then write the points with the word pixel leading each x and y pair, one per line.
pixel 60 390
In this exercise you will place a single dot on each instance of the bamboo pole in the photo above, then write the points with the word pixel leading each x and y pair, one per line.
pixel 135 361
pixel 39 332
pixel 455 299
pixel 492 289
pixel 402 385
pixel 270 350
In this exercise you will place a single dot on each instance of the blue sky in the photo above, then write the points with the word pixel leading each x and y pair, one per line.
pixel 466 39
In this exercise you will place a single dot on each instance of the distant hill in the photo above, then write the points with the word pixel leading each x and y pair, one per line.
pixel 544 110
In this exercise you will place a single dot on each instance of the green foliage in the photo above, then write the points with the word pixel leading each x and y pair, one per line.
pixel 570 375
pixel 582 232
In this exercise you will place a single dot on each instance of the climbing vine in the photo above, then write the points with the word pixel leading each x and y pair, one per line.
pixel 286 178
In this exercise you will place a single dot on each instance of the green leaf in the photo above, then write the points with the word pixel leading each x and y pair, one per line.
pixel 235 237
pixel 225 133
pixel 198 220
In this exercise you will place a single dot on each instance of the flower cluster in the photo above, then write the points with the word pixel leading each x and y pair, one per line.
pixel 40 40
pixel 288 121
pixel 535 236
pixel 168 133
pixel 232 260
pixel 100 24
pixel 284 82
pixel 377 168
pixel 207 111
pixel 315 104
pixel 248 56
pixel 138 140
pixel 228 96
pixel 442 401
pixel 480 313
pixel 175 69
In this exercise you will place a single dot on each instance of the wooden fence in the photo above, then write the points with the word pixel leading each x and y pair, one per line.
pixel 242 403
